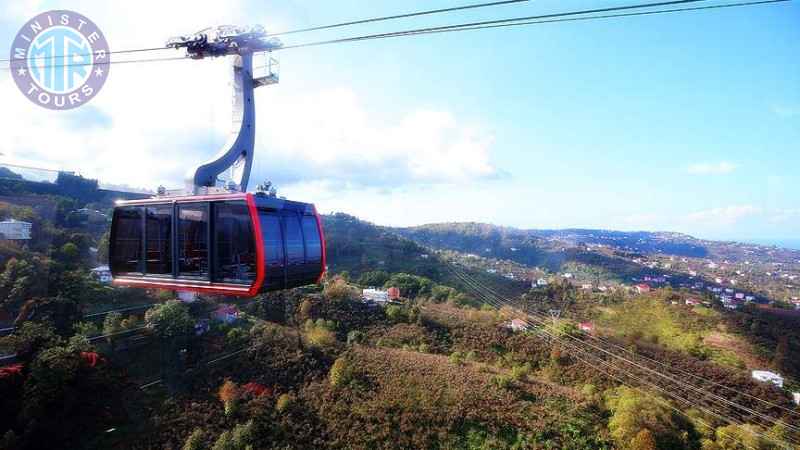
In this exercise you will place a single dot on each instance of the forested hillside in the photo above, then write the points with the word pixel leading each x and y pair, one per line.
pixel 89 365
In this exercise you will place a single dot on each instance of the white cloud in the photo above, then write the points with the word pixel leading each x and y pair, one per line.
pixel 711 167
pixel 327 135
pixel 725 215
pixel 158 119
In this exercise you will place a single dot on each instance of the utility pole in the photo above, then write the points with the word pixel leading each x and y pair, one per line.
pixel 555 314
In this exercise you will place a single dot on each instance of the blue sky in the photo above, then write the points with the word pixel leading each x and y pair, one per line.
pixel 686 122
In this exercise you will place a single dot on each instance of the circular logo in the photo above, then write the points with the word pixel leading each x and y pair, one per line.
pixel 60 59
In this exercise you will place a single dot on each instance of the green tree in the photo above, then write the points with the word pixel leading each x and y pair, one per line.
pixel 633 412
pixel 102 247
pixel 195 441
pixel 69 254
pixel 169 319
pixel 373 278
pixel 341 372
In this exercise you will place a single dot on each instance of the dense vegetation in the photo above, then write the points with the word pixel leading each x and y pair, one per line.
pixel 315 367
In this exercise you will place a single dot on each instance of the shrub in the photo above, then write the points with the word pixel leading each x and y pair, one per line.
pixel 195 441
pixel 341 372
pixel 337 291
pixel 456 358
pixel 424 348
pixel 320 338
pixel 235 333
pixel 229 394
pixel 521 372
pixel 355 337
pixel 394 312
pixel 284 403
pixel 499 380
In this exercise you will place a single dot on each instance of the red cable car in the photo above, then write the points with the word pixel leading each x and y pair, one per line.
pixel 239 244
pixel 208 238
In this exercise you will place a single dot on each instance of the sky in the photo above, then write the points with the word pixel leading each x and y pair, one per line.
pixel 687 122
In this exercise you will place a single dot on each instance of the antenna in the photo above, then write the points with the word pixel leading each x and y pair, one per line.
pixel 237 153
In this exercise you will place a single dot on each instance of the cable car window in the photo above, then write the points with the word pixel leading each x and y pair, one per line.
pixel 127 249
pixel 273 239
pixel 158 227
pixel 193 240
pixel 294 240
pixel 311 236
pixel 235 245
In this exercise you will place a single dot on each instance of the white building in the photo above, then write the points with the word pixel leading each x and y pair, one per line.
pixel 766 375
pixel 376 295
pixel 541 282
pixel 102 274
pixel 15 229
pixel 518 325
pixel 796 398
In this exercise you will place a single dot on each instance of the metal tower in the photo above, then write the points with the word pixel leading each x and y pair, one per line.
pixel 237 153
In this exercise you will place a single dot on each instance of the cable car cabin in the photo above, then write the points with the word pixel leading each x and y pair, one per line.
pixel 237 244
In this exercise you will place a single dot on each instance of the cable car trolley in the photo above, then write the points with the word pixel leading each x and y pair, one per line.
pixel 220 239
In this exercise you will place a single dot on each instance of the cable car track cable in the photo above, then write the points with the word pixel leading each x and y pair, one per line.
pixel 532 20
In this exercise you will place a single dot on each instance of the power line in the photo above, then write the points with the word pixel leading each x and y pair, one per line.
pixel 714 397
pixel 695 376
pixel 117 52
pixel 105 63
pixel 476 289
pixel 533 20
pixel 398 16
pixel 544 324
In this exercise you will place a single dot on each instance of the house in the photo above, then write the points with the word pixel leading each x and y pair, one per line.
pixel 376 295
pixel 568 275
pixel 101 274
pixel 796 398
pixel 202 326
pixel 749 298
pixel 718 280
pixel 541 282
pixel 16 229
pixel 510 276
pixel 642 287
pixel 424 256
pixel 491 270
pixel 187 296
pixel 225 313
pixel 518 325
pixel 587 326
pixel 766 375
pixel 739 295
pixel 587 286
pixel 394 292
pixel 733 304
pixel 602 288
pixel 691 301
pixel 693 273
